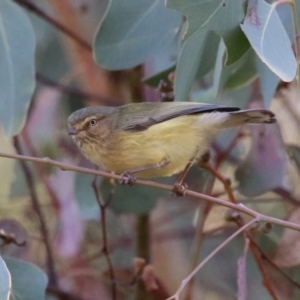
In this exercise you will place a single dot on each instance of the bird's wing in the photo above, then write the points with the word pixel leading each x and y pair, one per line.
pixel 137 117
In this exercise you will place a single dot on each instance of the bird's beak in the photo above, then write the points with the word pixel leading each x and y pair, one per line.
pixel 72 131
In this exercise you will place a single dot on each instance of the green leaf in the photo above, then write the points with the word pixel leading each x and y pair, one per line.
pixel 136 199
pixel 294 153
pixel 5 281
pixel 269 39
pixel 196 59
pixel 222 17
pixel 133 32
pixel 268 82
pixel 209 55
pixel 28 281
pixel 237 97
pixel 239 74
pixel 85 196
pixel 264 167
pixel 17 74
pixel 188 65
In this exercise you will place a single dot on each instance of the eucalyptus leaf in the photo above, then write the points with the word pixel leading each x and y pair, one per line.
pixel 222 17
pixel 85 196
pixel 209 54
pixel 264 167
pixel 196 59
pixel 268 82
pixel 133 32
pixel 17 73
pixel 137 199
pixel 269 39
pixel 237 97
pixel 294 153
pixel 285 14
pixel 5 281
pixel 239 74
pixel 28 281
pixel 188 64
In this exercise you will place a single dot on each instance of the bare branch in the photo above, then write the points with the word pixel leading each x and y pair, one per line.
pixel 33 8
pixel 105 250
pixel 43 227
pixel 212 254
pixel 238 207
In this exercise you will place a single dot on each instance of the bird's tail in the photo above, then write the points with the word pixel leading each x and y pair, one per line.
pixel 249 116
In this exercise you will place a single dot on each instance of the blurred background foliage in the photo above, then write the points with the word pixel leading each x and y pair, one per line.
pixel 60 55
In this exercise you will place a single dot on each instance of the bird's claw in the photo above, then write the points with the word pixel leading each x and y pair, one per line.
pixel 127 178
pixel 179 189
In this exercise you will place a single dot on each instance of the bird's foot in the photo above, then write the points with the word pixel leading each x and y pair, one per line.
pixel 127 178
pixel 179 189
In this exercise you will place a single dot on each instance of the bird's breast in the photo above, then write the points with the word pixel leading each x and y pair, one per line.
pixel 178 140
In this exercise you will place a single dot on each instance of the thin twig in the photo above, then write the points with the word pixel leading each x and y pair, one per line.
pixel 286 195
pixel 43 227
pixel 105 250
pixel 33 8
pixel 75 91
pixel 238 207
pixel 271 263
pixel 212 254
pixel 142 251
pixel 41 173
pixel 222 155
pixel 227 186
pixel 241 273
pixel 266 278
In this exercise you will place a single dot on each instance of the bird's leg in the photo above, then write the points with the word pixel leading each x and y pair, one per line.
pixel 128 178
pixel 179 188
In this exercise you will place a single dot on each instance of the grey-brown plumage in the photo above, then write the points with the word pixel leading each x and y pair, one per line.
pixel 144 115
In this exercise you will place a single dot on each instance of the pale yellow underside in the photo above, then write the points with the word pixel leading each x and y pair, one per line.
pixel 178 140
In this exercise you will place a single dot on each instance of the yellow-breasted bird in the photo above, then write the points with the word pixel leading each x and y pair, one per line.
pixel 154 139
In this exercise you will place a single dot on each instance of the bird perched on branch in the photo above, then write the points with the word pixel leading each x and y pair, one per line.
pixel 154 139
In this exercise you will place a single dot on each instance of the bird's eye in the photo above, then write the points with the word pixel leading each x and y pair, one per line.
pixel 93 122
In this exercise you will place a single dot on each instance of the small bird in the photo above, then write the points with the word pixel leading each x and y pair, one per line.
pixel 154 139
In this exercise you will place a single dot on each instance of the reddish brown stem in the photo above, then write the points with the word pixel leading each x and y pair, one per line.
pixel 43 227
pixel 33 8
pixel 105 250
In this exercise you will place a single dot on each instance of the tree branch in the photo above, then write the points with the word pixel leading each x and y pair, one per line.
pixel 43 227
pixel 105 251
pixel 74 91
pixel 33 8
pixel 238 207
pixel 212 254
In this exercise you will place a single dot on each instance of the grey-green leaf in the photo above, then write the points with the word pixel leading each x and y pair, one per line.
pixel 269 39
pixel 17 72
pixel 268 82
pixel 188 65
pixel 294 153
pixel 137 199
pixel 28 281
pixel 85 196
pixel 133 32
pixel 223 17
pixel 5 281
pixel 264 167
